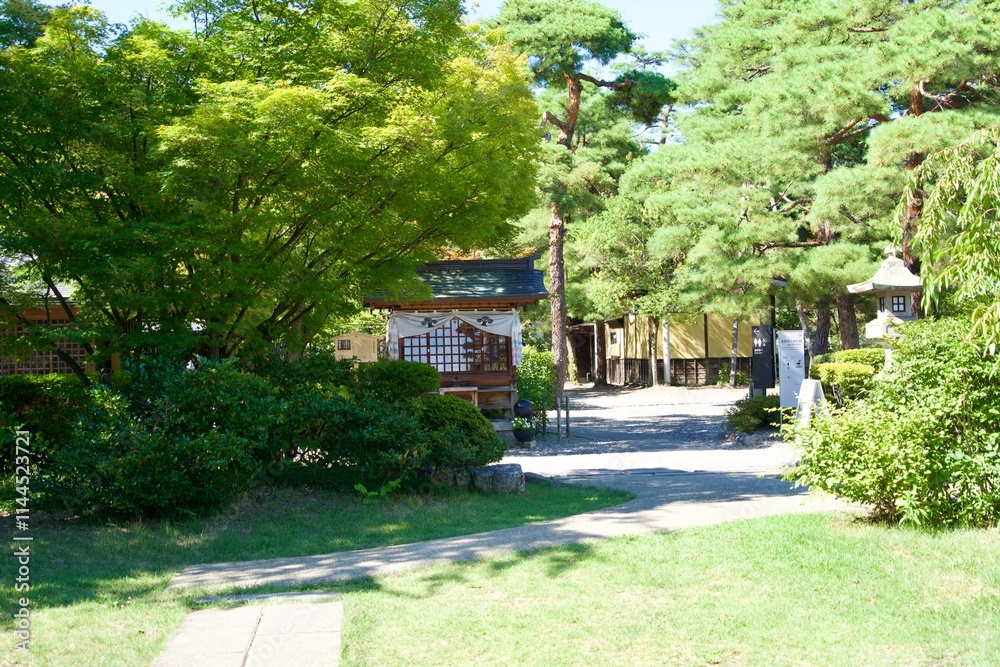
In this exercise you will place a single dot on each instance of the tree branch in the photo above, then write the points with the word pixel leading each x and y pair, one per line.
pixel 617 85
pixel 762 247
pixel 948 101
pixel 551 118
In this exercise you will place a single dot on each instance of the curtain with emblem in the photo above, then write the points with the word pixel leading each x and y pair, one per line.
pixel 500 322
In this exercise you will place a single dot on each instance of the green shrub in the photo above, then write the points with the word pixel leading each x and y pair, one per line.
pixel 43 405
pixel 536 381
pixel 362 440
pixel 754 412
pixel 723 381
pixel 315 370
pixel 870 356
pixel 923 447
pixel 397 380
pixel 458 434
pixel 843 381
pixel 176 441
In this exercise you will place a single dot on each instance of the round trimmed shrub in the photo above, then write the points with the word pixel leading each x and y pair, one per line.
pixel 397 380
pixel 754 412
pixel 367 441
pixel 458 434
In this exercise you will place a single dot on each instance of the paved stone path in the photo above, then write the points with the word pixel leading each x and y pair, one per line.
pixel 664 445
pixel 280 635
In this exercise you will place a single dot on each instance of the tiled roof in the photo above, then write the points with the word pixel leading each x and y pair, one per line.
pixel 516 280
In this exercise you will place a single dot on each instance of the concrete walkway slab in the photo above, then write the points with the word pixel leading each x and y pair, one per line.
pixel 211 637
pixel 285 635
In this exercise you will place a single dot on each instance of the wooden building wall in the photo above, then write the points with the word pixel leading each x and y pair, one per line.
pixel 687 340
pixel 41 362
pixel 691 363
pixel 360 345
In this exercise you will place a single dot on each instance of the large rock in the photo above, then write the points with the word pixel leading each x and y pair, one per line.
pixel 452 478
pixel 502 478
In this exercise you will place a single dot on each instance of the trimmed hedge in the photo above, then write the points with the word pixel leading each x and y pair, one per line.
pixel 363 440
pixel 843 381
pixel 870 356
pixel 176 441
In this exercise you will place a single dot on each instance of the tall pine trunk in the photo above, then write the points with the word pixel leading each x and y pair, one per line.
pixel 601 356
pixel 848 321
pixel 804 323
pixel 914 210
pixel 821 343
pixel 667 376
pixel 653 328
pixel 557 296
pixel 734 356
pixel 914 207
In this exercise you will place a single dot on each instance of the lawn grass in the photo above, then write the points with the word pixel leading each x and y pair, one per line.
pixel 796 590
pixel 98 591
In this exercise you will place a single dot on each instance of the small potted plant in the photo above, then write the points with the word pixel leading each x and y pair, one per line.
pixel 524 430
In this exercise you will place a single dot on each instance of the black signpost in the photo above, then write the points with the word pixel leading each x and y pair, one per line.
pixel 762 362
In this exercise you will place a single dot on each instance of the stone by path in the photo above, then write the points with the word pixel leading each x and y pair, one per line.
pixel 278 635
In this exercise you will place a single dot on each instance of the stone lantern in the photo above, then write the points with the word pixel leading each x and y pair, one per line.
pixel 893 285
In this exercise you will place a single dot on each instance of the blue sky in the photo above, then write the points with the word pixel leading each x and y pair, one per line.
pixel 661 21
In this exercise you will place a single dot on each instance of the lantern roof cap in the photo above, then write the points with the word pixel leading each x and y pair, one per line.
pixel 892 275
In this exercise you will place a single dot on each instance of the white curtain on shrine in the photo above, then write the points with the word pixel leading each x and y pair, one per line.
pixel 499 322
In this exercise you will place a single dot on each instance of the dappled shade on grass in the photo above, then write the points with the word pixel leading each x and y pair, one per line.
pixel 794 590
pixel 98 591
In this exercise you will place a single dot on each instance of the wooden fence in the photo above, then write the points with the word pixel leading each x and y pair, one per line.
pixel 684 372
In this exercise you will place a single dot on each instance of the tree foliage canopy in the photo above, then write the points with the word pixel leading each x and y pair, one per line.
pixel 959 231
pixel 803 121
pixel 563 37
pixel 235 186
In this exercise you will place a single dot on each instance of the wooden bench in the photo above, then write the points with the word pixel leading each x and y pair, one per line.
pixel 487 391
pixel 470 394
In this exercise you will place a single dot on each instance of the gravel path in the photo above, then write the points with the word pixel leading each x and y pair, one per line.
pixel 652 419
